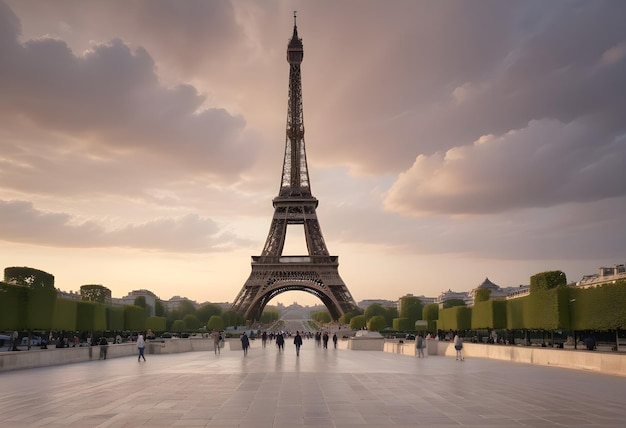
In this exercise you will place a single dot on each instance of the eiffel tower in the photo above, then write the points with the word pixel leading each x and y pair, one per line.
pixel 272 272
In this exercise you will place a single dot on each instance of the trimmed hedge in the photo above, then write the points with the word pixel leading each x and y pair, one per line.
pixel 599 308
pixel 430 313
pixel 547 280
pixel 115 318
pixel 90 316
pixel 411 308
pixel 403 324
pixel 134 318
pixel 156 323
pixel 13 307
pixel 455 318
pixel 489 314
pixel 29 277
pixel 64 317
pixel 26 308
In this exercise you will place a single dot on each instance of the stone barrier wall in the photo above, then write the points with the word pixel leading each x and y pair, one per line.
pixel 36 357
pixel 611 363
pixel 14 360
pixel 366 344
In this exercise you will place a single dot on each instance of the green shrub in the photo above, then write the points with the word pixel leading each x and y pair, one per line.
pixel 357 322
pixel 376 323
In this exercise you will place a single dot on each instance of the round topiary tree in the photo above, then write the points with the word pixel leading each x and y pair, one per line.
pixel 376 323
pixel 178 325
pixel 357 322
pixel 191 322
pixel 215 323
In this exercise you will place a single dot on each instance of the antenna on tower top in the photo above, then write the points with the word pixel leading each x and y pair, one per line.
pixel 294 17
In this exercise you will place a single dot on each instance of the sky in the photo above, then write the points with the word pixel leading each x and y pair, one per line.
pixel 141 142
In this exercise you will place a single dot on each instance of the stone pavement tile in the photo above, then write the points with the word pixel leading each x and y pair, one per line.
pixel 288 420
pixel 189 423
pixel 535 422
pixel 349 422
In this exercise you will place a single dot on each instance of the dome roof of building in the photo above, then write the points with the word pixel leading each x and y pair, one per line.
pixel 489 285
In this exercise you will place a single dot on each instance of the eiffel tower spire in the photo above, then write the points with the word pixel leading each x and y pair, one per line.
pixel 295 179
pixel 272 272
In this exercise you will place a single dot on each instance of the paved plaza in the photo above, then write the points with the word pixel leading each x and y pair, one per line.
pixel 320 388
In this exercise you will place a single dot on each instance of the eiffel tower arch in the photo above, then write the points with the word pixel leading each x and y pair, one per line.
pixel 273 272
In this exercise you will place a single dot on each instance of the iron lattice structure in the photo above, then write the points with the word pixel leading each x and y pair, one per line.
pixel 272 272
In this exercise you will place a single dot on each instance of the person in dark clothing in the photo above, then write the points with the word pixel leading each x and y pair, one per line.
pixel 245 343
pixel 280 341
pixel 298 342
pixel 104 347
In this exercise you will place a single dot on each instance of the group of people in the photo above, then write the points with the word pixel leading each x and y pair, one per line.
pixel 420 343
pixel 103 342
pixel 280 340
pixel 322 338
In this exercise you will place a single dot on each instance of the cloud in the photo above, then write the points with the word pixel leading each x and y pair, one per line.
pixel 108 103
pixel 458 72
pixel 22 222
pixel 545 164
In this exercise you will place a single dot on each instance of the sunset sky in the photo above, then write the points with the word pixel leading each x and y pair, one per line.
pixel 141 142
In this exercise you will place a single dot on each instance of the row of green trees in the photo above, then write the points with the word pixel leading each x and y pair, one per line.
pixel 601 308
pixel 550 305
pixel 25 308
pixel 29 301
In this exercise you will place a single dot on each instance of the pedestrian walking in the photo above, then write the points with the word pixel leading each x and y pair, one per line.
pixel 217 337
pixel 458 345
pixel 298 342
pixel 335 340
pixel 419 344
pixel 280 342
pixel 104 346
pixel 141 346
pixel 325 340
pixel 245 343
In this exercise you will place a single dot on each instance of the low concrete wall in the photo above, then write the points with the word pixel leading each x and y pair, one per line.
pixel 234 344
pixel 408 348
pixel 176 346
pixel 366 344
pixel 611 363
pixel 14 360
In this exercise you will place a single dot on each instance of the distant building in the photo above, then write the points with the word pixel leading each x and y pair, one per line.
pixel 364 304
pixel 607 275
pixel 497 292
pixel 70 295
pixel 494 290
pixel 449 295
pixel 129 299
pixel 517 292
pixel 175 302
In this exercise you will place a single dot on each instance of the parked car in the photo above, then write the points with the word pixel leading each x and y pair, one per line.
pixel 5 340
pixel 34 341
